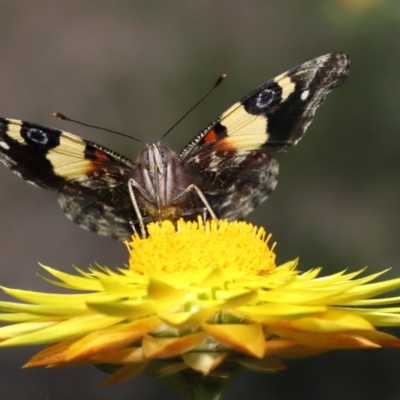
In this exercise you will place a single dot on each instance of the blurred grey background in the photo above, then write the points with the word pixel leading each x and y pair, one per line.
pixel 136 67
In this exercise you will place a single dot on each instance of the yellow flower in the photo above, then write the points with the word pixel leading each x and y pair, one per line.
pixel 199 297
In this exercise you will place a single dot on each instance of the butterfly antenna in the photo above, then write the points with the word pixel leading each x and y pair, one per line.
pixel 216 84
pixel 65 118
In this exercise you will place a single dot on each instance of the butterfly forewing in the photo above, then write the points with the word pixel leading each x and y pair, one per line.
pixel 230 162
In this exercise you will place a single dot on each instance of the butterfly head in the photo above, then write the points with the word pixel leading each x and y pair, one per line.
pixel 155 159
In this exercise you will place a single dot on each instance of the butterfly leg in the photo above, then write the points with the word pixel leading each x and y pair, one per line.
pixel 131 184
pixel 199 193
pixel 204 214
pixel 133 227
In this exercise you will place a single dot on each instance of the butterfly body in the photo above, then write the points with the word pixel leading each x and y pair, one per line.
pixel 228 169
pixel 161 181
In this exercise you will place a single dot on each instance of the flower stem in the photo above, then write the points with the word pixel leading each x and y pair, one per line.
pixel 194 386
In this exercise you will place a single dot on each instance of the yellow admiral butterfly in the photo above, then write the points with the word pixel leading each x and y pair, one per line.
pixel 225 171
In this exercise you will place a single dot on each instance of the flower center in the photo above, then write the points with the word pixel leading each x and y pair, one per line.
pixel 193 248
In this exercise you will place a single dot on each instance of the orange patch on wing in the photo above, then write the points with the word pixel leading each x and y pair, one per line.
pixel 100 155
pixel 211 137
pixel 95 160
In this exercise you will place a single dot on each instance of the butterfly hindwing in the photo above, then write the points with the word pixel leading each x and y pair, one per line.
pixel 107 212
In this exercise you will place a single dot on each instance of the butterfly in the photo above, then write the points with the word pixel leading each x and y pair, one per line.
pixel 226 171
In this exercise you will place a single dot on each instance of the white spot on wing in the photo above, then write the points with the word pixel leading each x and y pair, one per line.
pixel 4 145
pixel 304 95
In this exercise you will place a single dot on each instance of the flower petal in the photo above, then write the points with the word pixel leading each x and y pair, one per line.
pixel 170 347
pixel 64 330
pixel 124 374
pixel 130 355
pixel 188 319
pixel 247 339
pixel 113 338
pixel 158 290
pixel 203 362
pixel 330 321
pixel 328 341
pixel 268 364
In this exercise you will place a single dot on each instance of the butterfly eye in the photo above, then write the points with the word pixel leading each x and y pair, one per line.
pixel 143 158
pixel 165 154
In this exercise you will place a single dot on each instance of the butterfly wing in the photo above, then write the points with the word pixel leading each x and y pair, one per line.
pixel 91 180
pixel 233 157
pixel 231 161
pixel 105 211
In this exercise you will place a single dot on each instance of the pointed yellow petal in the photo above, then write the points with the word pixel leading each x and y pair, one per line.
pixel 214 279
pixel 121 287
pixel 72 281
pixel 65 330
pixel 388 316
pixel 161 291
pixel 10 333
pixel 239 300
pixel 247 339
pixel 112 338
pixel 330 321
pixel 278 345
pixel 170 368
pixel 54 299
pixel 276 311
pixel 203 362
pixel 301 352
pixel 154 347
pixel 188 319
pixel 127 309
pixel 269 364
pixel 329 341
pixel 17 317
pixel 124 374
pixel 52 354
pixel 130 355
pixel 380 338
